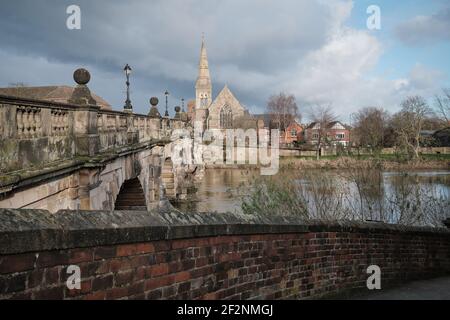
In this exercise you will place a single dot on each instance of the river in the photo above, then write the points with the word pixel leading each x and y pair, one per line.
pixel 221 190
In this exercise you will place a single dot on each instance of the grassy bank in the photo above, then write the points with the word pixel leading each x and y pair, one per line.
pixel 360 192
pixel 386 162
pixel 389 157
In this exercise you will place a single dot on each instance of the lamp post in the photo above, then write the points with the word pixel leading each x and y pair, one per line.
pixel 167 104
pixel 182 104
pixel 128 107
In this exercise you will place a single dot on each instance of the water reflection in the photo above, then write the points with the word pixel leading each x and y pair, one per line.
pixel 221 190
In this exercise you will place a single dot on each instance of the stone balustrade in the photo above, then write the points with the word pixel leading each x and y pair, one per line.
pixel 73 155
pixel 34 132
pixel 28 119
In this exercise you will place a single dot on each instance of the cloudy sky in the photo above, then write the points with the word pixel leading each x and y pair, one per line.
pixel 319 50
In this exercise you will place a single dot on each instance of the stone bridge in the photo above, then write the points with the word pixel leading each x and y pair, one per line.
pixel 74 155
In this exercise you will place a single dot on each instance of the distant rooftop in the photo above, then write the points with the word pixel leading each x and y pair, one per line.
pixel 50 93
pixel 329 125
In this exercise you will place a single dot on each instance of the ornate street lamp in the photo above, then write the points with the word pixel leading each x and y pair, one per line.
pixel 182 104
pixel 128 107
pixel 167 103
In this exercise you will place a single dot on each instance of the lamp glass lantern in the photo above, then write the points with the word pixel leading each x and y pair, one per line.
pixel 127 70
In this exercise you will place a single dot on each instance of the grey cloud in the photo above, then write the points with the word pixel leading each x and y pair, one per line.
pixel 257 47
pixel 425 29
pixel 161 39
pixel 422 78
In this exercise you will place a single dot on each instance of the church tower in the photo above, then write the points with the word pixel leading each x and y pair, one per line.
pixel 203 87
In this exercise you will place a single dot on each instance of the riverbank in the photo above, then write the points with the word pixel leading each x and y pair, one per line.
pixel 386 163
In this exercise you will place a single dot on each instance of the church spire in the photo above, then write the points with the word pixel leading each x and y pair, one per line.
pixel 203 85
pixel 203 68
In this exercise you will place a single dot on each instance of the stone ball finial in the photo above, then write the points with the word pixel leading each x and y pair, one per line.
pixel 81 76
pixel 154 101
pixel 177 109
pixel 154 110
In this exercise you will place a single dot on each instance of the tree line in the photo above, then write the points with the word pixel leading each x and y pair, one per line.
pixel 376 128
pixel 373 127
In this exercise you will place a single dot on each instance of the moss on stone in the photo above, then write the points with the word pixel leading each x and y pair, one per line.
pixel 8 155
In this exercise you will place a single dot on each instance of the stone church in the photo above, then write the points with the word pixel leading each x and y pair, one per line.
pixel 224 112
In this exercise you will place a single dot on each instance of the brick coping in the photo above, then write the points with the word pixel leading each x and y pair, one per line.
pixel 23 230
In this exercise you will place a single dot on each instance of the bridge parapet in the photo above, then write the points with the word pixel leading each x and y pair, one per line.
pixel 76 155
pixel 34 132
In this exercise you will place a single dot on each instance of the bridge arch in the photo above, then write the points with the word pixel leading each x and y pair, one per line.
pixel 131 196
pixel 168 179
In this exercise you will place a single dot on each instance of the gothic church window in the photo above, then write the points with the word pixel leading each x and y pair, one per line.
pixel 226 118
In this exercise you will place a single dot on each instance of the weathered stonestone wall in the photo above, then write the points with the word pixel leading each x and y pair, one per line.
pixel 33 132
pixel 168 255
pixel 93 187
pixel 57 156
pixel 62 192
pixel 145 165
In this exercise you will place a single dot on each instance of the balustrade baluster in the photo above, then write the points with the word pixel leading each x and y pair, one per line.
pixel 58 122
pixel 60 125
pixel 66 121
pixel 19 120
pixel 27 123
pixel 54 123
pixel 33 123
pixel 38 123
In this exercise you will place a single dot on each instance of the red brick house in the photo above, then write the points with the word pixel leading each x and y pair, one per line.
pixel 335 133
pixel 292 134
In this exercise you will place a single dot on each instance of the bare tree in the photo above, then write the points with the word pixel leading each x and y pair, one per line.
pixel 321 116
pixel 390 138
pixel 369 127
pixel 442 103
pixel 283 110
pixel 408 123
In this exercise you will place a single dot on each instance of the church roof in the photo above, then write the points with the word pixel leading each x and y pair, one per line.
pixel 226 91
pixel 50 93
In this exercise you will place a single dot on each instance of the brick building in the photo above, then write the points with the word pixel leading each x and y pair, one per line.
pixel 293 134
pixel 335 133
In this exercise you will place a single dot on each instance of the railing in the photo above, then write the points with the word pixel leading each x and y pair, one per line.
pixel 28 119
pixel 34 132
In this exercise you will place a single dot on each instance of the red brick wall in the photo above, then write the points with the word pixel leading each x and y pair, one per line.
pixel 296 265
pixel 286 137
